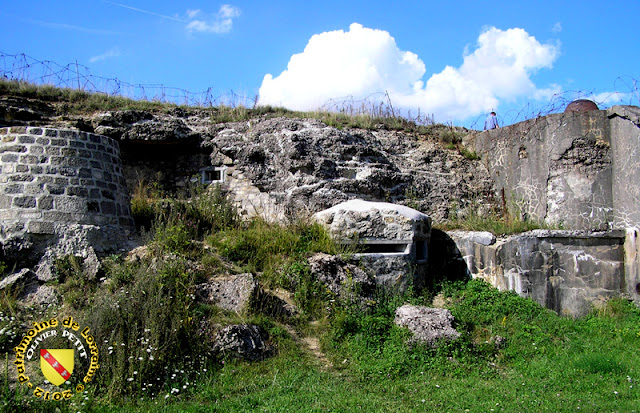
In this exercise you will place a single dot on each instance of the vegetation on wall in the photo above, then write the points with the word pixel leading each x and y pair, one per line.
pixel 382 116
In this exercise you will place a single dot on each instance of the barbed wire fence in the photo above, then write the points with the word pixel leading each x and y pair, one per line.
pixel 21 67
pixel 24 68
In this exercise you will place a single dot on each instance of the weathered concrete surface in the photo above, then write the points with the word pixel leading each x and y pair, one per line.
pixel 567 271
pixel 578 169
pixel 625 147
pixel 632 262
pixel 395 239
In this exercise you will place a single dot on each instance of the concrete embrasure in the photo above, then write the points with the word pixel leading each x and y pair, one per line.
pixel 395 239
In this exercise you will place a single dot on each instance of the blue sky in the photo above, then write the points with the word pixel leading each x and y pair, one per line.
pixel 456 60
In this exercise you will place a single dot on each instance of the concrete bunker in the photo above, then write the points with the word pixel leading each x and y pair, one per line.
pixel 394 239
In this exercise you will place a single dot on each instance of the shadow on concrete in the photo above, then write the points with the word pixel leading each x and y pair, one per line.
pixel 445 262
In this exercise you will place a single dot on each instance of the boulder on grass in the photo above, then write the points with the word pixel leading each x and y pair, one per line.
pixel 244 341
pixel 231 293
pixel 428 325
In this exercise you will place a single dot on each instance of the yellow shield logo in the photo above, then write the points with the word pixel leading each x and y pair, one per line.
pixel 57 364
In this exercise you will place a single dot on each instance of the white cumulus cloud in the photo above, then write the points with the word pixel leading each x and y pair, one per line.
pixel 364 61
pixel 221 22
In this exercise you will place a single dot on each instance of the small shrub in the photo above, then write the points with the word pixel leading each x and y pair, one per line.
pixel 272 248
pixel 148 327
pixel 75 286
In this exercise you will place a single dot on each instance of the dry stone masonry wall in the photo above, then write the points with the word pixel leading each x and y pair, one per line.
pixel 55 177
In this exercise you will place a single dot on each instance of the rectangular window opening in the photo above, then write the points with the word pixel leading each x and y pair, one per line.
pixel 383 248
pixel 212 174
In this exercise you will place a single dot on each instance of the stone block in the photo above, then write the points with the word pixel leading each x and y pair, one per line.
pixel 77 191
pixel 9 157
pixel 5 201
pixel 36 150
pixel 22 168
pixel 52 133
pixel 55 189
pixel 14 189
pixel 95 194
pixel 26 139
pixel 93 206
pixel 40 227
pixel 70 153
pixel 68 204
pixel 77 162
pixel 65 171
pixel 56 216
pixel 44 179
pixel 21 177
pixel 36 169
pixel 24 202
pixel 43 141
pixel 108 208
pixel 45 203
pixel 52 150
pixel 428 325
pixel 231 293
pixel 13 148
pixel 108 195
pixel 34 131
pixel 68 134
pixel 33 188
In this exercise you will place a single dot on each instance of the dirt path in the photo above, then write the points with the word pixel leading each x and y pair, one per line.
pixel 312 345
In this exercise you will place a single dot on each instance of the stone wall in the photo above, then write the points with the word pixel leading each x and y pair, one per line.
pixel 578 169
pixel 50 178
pixel 567 271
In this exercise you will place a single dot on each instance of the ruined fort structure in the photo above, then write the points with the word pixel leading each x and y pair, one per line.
pixel 577 169
pixel 580 170
pixel 58 184
pixel 64 189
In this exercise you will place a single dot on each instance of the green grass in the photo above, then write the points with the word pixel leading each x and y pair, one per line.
pixel 547 363
pixel 499 220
